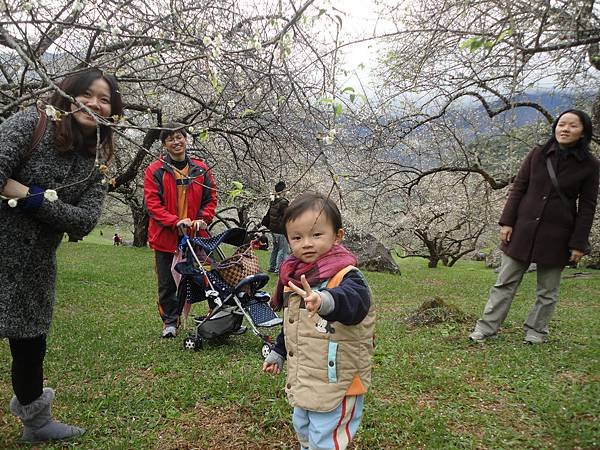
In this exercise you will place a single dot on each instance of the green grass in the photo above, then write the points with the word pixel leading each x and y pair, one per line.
pixel 431 387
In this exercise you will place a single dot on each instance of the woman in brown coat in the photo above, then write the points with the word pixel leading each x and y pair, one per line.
pixel 537 226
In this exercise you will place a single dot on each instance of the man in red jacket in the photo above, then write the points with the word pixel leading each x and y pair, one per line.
pixel 179 191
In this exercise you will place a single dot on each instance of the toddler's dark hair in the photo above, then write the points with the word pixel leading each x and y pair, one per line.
pixel 313 201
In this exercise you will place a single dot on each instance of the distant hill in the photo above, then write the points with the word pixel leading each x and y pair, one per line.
pixel 552 100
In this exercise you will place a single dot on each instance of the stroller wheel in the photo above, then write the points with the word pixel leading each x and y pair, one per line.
pixel 266 349
pixel 189 343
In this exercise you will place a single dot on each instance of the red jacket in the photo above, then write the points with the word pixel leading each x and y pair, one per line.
pixel 160 196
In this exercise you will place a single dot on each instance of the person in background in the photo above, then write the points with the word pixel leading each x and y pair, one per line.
pixel 537 226
pixel 273 220
pixel 55 187
pixel 179 191
pixel 328 318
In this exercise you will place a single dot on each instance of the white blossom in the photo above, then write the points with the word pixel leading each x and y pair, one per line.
pixel 115 31
pixel 255 43
pixel 230 104
pixel 50 195
pixel 207 41
pixel 77 5
pixel 52 112
pixel 328 139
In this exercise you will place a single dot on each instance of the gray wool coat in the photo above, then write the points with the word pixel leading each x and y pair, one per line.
pixel 29 239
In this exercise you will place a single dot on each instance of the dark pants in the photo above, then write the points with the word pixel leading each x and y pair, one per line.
pixel 28 367
pixel 168 307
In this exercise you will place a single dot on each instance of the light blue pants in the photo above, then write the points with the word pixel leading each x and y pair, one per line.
pixel 332 430
pixel 279 252
pixel 504 290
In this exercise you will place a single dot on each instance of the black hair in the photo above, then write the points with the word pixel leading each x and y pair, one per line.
pixel 170 129
pixel 69 135
pixel 280 186
pixel 316 202
pixel 583 144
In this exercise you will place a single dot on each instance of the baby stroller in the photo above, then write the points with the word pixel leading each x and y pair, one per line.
pixel 228 305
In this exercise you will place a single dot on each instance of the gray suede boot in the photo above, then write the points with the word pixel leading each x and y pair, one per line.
pixel 38 425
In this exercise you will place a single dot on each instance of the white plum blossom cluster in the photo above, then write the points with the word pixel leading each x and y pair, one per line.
pixel 214 44
pixel 77 6
pixel 52 113
pixel 49 194
pixel 330 136
pixel 255 43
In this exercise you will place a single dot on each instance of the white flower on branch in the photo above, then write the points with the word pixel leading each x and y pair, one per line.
pixel 115 31
pixel 77 6
pixel 52 113
pixel 50 195
pixel 230 104
pixel 328 139
pixel 255 43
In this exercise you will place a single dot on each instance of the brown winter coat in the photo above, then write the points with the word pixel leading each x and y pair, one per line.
pixel 544 230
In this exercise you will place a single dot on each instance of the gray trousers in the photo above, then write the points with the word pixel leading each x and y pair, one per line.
pixel 504 290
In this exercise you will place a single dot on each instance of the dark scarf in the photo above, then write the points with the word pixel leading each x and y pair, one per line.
pixel 337 258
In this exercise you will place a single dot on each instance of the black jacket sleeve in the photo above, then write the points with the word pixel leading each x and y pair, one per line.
pixel 352 299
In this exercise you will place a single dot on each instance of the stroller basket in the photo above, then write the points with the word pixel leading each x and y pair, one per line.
pixel 226 320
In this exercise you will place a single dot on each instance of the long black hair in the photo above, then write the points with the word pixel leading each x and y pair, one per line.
pixel 69 135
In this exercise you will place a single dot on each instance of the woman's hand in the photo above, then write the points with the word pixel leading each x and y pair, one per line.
pixel 505 234
pixel 576 256
pixel 14 189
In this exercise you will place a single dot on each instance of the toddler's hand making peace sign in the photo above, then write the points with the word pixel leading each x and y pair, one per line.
pixel 312 299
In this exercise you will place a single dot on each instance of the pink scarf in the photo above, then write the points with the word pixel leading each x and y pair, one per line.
pixel 316 272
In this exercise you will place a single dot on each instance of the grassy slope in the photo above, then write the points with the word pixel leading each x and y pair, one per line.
pixel 431 389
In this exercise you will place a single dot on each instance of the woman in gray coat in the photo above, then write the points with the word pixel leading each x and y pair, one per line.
pixel 541 225
pixel 51 187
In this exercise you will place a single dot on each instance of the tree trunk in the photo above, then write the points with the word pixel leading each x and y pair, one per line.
pixel 433 261
pixel 140 227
